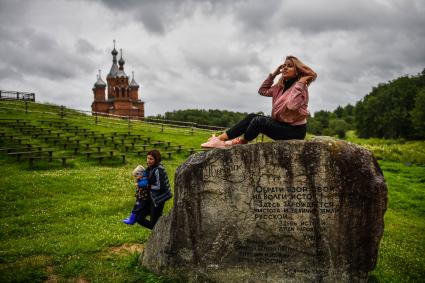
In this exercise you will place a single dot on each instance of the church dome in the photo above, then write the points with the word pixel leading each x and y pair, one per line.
pixel 120 73
pixel 114 67
pixel 133 83
pixel 99 82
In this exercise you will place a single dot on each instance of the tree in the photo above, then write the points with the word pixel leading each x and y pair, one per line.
pixel 418 115
pixel 338 127
pixel 315 127
pixel 348 110
pixel 322 117
pixel 339 112
pixel 387 111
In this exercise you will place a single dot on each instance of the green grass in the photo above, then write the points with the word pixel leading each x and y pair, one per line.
pixel 409 152
pixel 402 250
pixel 64 225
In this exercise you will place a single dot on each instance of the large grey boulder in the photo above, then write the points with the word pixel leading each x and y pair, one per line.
pixel 289 211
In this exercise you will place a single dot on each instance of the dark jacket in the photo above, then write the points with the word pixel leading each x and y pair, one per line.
pixel 160 189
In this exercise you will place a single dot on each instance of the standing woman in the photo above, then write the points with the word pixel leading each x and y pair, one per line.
pixel 289 108
pixel 159 191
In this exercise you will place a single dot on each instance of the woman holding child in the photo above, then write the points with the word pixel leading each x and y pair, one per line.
pixel 289 108
pixel 153 189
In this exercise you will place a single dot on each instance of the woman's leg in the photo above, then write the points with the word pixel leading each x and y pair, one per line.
pixel 143 213
pixel 156 213
pixel 273 129
pixel 252 125
pixel 241 127
pixel 233 132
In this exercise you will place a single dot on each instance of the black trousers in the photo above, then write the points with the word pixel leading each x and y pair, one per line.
pixel 139 204
pixel 149 209
pixel 252 125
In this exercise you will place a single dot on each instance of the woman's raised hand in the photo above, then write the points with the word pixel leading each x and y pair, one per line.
pixel 306 80
pixel 277 71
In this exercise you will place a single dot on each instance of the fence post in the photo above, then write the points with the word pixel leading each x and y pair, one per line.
pixel 129 122
pixel 62 111
pixel 17 95
pixel 162 128
pixel 262 137
pixel 191 130
pixel 26 107
pixel 0 93
pixel 95 118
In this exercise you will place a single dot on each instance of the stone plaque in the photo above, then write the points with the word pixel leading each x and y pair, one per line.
pixel 289 211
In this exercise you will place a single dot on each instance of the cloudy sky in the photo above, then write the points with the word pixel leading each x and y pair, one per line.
pixel 208 54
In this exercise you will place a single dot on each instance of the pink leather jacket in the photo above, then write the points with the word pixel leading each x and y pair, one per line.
pixel 289 106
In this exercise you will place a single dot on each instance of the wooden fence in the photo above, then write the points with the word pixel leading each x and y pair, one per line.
pixel 17 95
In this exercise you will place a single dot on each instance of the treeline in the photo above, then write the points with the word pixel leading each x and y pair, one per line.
pixel 392 110
pixel 221 118
pixel 335 123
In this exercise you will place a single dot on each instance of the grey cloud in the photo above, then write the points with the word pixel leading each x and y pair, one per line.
pixel 156 15
pixel 9 73
pixel 276 16
pixel 84 47
pixel 354 15
pixel 378 53
pixel 312 17
pixel 160 16
pixel 9 11
pixel 327 15
pixel 257 16
pixel 222 64
pixel 32 53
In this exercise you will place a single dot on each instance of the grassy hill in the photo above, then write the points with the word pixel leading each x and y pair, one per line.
pixel 64 224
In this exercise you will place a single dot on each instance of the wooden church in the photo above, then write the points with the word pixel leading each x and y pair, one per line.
pixel 122 97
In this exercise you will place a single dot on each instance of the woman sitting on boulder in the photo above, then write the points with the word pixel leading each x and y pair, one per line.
pixel 289 108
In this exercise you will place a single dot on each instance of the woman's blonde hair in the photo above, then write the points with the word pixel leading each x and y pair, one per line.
pixel 301 69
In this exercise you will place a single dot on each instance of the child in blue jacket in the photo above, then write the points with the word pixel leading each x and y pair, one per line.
pixel 142 193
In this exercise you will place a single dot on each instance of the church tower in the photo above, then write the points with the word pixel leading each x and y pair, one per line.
pixel 134 89
pixel 122 97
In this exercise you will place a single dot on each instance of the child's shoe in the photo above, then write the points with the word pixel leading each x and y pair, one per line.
pixel 235 142
pixel 213 142
pixel 131 219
